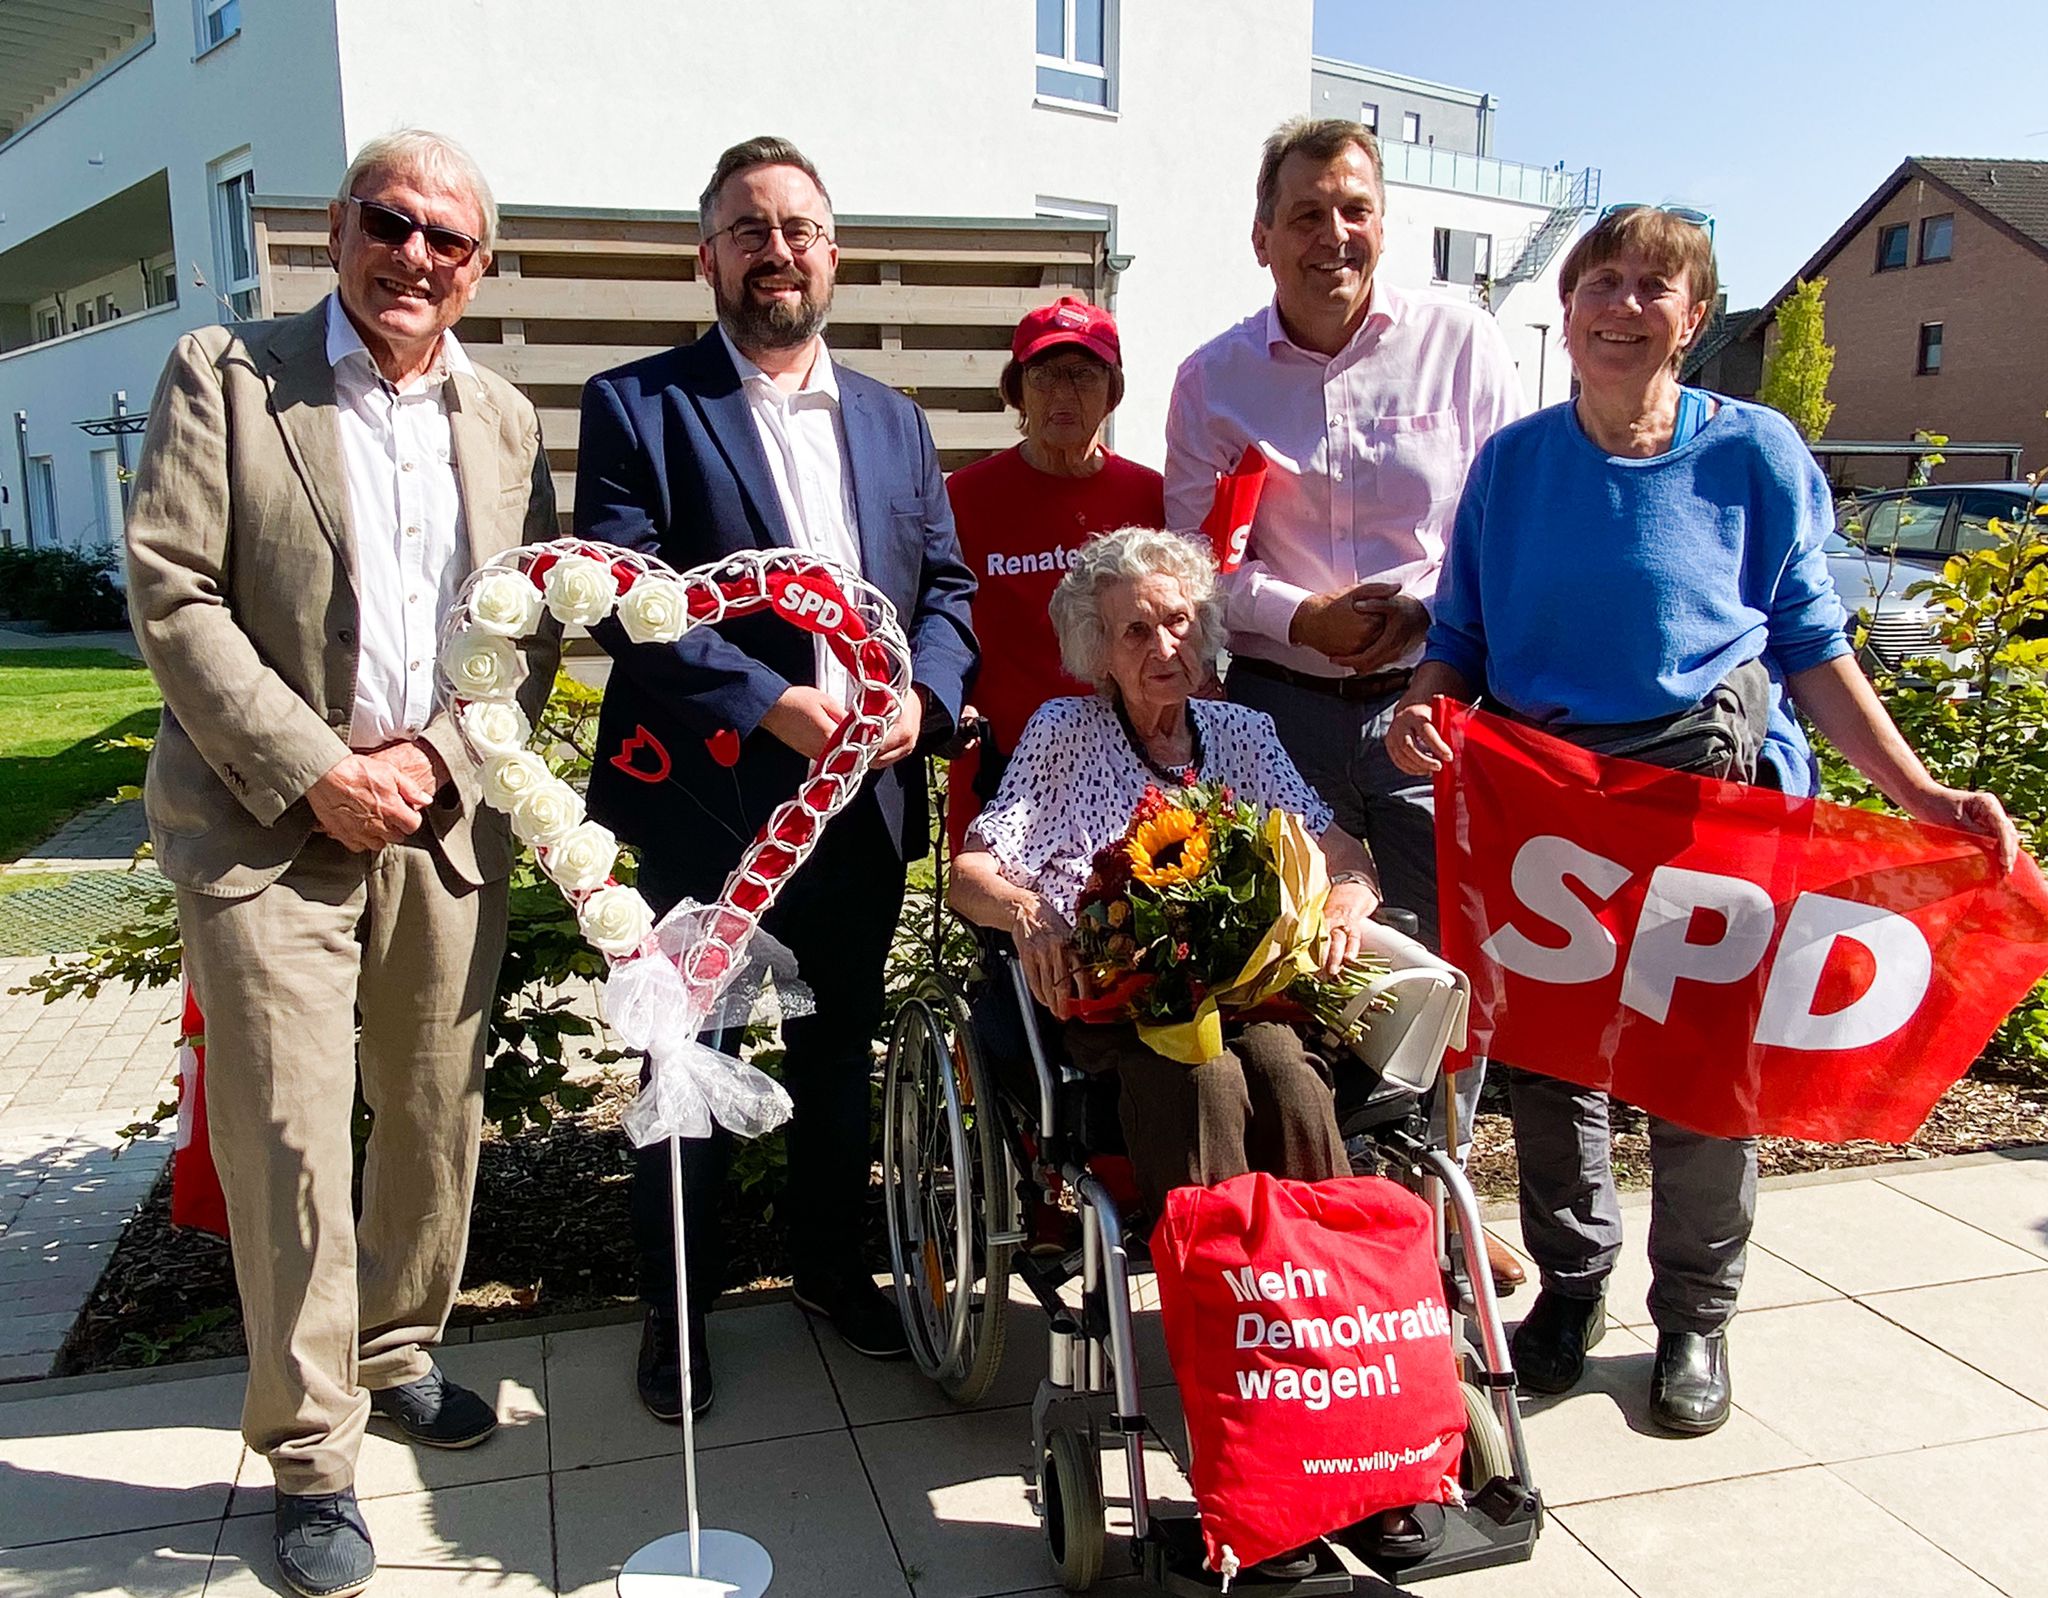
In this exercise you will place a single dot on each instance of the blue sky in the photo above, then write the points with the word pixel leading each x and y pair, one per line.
pixel 1779 118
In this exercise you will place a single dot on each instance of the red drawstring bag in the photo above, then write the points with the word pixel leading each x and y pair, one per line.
pixel 196 1196
pixel 1308 1332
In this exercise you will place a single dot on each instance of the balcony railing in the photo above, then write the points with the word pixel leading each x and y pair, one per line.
pixel 1431 167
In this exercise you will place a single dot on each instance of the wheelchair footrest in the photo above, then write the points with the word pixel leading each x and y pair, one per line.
pixel 1473 1540
pixel 1172 1562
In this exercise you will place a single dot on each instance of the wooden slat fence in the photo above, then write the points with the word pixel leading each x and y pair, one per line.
pixel 924 305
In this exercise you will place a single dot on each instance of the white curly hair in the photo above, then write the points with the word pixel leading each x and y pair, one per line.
pixel 1124 556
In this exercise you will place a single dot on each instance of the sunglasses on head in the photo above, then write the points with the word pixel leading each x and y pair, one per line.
pixel 1684 213
pixel 391 227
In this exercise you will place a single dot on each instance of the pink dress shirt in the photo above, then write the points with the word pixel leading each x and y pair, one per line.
pixel 1368 451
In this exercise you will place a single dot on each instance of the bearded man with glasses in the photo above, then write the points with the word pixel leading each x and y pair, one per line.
pixel 311 494
pixel 753 438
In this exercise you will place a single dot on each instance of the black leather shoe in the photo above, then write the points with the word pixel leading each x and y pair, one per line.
pixel 436 1412
pixel 323 1547
pixel 1297 1564
pixel 1689 1388
pixel 1549 1348
pixel 660 1370
pixel 864 1316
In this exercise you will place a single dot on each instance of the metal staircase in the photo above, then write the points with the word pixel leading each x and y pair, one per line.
pixel 1547 237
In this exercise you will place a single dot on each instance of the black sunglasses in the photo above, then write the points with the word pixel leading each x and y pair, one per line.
pixel 391 227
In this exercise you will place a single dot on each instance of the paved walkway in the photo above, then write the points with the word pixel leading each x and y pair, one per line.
pixel 71 1074
pixel 1891 1436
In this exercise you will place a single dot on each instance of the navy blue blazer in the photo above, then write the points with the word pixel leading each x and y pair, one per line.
pixel 670 463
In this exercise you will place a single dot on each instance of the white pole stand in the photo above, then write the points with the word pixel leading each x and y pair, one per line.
pixel 694 1563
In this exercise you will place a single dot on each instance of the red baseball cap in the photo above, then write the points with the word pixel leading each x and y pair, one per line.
pixel 1067 321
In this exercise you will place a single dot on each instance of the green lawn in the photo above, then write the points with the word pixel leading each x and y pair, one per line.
pixel 55 705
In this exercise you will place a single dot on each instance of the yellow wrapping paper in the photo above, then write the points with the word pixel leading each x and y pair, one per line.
pixel 1284 953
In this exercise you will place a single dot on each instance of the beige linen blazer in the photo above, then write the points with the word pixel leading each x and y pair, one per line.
pixel 241 588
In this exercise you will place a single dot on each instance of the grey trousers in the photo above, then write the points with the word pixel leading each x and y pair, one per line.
pixel 1340 746
pixel 1702 1204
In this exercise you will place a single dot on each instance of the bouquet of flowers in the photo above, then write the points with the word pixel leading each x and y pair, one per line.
pixel 1209 907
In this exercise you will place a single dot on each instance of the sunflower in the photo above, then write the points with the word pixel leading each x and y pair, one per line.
pixel 1170 847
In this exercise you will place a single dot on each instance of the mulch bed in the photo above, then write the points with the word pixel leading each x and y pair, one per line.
pixel 550 1234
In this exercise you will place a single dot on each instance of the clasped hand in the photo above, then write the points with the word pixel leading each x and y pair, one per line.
pixel 1363 629
pixel 373 797
pixel 806 718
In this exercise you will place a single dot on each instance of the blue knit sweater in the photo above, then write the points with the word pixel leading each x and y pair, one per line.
pixel 1584 588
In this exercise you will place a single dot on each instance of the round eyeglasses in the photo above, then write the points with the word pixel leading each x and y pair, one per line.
pixel 752 234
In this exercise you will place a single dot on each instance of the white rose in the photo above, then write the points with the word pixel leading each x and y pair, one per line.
pixel 616 920
pixel 508 778
pixel 482 666
pixel 506 603
pixel 546 811
pixel 582 858
pixel 495 727
pixel 652 611
pixel 581 589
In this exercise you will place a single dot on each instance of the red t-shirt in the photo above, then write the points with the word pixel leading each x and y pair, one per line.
pixel 1019 528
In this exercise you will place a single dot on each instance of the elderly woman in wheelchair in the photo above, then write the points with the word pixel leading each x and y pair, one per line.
pixel 1138 615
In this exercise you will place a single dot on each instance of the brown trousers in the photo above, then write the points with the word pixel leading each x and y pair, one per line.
pixel 334 1308
pixel 1263 1104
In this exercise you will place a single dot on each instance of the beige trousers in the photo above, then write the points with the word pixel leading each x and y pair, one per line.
pixel 333 1307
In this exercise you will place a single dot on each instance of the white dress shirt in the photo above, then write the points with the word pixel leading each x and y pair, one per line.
pixel 405 509
pixel 1366 453
pixel 805 442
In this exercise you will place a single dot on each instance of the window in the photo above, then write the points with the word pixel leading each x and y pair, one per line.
pixel 1909 525
pixel 1369 116
pixel 49 323
pixel 1975 512
pixel 219 21
pixel 1937 238
pixel 1411 127
pixel 234 186
pixel 1891 246
pixel 42 498
pixel 1461 257
pixel 1077 51
pixel 1930 348
pixel 160 284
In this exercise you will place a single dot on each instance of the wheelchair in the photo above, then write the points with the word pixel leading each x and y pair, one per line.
pixel 983 1146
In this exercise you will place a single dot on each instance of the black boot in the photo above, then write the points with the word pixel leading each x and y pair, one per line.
pixel 1549 1348
pixel 1689 1389
pixel 660 1370
pixel 864 1316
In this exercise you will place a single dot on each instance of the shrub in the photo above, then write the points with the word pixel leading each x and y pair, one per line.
pixel 67 590
pixel 1980 718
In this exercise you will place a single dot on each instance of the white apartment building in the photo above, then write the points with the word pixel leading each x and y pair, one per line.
pixel 135 133
pixel 1460 220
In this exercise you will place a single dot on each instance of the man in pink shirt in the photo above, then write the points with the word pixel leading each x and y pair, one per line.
pixel 1369 405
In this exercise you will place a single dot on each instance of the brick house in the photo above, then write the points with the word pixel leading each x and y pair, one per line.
pixel 1937 306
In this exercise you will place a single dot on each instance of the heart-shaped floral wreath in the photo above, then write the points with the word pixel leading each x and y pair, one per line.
pixel 579 581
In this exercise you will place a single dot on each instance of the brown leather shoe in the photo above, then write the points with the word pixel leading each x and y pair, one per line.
pixel 1507 1270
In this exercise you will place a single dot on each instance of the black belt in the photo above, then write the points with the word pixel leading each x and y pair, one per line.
pixel 1374 685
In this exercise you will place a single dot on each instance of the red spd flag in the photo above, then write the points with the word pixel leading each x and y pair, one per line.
pixel 1229 522
pixel 1737 961
pixel 1308 1332
pixel 196 1196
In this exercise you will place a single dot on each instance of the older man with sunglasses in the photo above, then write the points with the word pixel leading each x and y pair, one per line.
pixel 311 495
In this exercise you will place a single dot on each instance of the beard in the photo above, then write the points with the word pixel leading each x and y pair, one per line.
pixel 775 324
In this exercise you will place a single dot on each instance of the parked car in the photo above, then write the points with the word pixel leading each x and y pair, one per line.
pixel 1884 543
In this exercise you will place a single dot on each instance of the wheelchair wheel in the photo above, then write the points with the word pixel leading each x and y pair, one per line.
pixel 1070 1492
pixel 949 1191
pixel 1486 1445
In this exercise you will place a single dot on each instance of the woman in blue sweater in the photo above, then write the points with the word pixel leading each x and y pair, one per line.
pixel 1639 570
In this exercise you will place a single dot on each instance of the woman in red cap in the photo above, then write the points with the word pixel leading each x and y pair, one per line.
pixel 1022 514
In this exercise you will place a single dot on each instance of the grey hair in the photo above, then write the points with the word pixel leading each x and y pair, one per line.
pixel 415 152
pixel 1124 556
